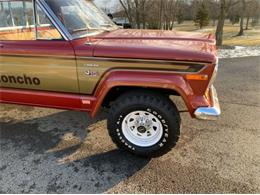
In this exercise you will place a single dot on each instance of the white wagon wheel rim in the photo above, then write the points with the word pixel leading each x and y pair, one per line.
pixel 142 128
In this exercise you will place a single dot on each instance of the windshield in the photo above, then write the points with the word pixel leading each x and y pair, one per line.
pixel 81 17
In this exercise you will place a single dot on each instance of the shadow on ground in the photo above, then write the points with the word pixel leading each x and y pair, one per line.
pixel 60 160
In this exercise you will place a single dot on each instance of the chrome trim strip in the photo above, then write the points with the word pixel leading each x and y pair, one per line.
pixel 56 22
pixel 214 74
pixel 210 113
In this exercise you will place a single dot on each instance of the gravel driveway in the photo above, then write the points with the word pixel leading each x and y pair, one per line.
pixel 54 151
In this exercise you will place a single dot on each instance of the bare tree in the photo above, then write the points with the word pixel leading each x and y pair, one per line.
pixel 135 11
pixel 128 8
pixel 221 22
pixel 213 11
pixel 180 11
pixel 242 15
pixel 162 14
pixel 248 13
pixel 143 12
pixel 225 6
pixel 255 12
pixel 252 11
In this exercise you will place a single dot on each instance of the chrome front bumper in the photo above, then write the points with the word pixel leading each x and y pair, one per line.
pixel 209 113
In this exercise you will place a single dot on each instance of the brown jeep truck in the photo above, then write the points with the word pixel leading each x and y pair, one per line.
pixel 67 54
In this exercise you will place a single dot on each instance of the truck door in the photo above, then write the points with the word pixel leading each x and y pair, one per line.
pixel 34 55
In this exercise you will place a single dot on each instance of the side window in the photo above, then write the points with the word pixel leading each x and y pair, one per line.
pixel 44 27
pixel 16 20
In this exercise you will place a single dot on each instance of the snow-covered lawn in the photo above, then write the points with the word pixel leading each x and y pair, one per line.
pixel 239 52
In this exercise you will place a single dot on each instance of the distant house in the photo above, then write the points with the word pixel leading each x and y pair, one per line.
pixel 121 21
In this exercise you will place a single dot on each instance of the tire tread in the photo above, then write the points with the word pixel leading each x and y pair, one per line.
pixel 164 103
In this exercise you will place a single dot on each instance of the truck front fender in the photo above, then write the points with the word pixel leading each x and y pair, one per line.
pixel 145 79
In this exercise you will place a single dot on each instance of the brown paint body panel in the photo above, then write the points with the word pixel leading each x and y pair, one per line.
pixel 52 62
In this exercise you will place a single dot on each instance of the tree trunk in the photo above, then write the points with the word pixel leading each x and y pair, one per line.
pixel 161 14
pixel 241 32
pixel 143 15
pixel 247 22
pixel 221 22
pixel 213 22
pixel 127 12
pixel 137 14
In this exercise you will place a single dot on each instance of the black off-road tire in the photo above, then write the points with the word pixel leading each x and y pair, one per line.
pixel 156 104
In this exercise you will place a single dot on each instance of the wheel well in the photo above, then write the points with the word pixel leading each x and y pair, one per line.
pixel 115 92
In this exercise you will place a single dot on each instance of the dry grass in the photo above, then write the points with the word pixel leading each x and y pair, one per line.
pixel 251 37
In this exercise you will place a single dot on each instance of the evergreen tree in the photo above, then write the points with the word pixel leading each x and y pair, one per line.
pixel 180 18
pixel 234 19
pixel 202 16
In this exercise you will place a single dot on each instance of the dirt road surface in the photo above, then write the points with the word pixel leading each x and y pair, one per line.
pixel 54 151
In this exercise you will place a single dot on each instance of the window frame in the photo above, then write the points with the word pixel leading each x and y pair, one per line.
pixel 37 23
pixel 53 18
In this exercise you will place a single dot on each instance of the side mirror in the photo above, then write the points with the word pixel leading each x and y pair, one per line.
pixel 110 16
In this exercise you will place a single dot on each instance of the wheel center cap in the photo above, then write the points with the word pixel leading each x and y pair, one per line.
pixel 141 129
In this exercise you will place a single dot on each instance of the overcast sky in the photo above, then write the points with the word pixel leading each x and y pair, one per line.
pixel 111 5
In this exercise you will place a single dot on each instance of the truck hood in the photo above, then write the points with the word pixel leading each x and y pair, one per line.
pixel 156 44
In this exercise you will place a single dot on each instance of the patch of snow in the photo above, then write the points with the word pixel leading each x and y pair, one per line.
pixel 239 52
pixel 240 47
pixel 204 30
